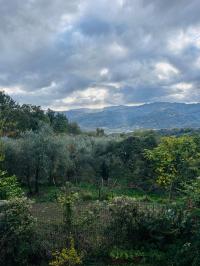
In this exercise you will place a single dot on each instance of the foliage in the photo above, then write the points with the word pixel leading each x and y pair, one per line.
pixel 67 200
pixel 124 212
pixel 41 157
pixel 67 256
pixel 15 118
pixel 141 226
pixel 127 230
pixel 17 233
pixel 136 256
pixel 126 255
pixel 100 132
pixel 38 158
pixel 174 161
pixel 86 195
pixel 9 187
pixel 191 193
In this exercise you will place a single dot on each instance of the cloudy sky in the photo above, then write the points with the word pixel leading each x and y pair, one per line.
pixel 67 54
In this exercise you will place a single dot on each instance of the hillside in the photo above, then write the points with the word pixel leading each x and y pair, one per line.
pixel 157 115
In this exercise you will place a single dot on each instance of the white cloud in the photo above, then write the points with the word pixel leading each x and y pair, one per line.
pixel 104 72
pixel 180 92
pixel 165 70
pixel 117 50
pixel 183 39
pixel 116 85
pixel 183 86
pixel 90 97
pixel 13 90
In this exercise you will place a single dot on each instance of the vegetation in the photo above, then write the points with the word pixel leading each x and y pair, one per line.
pixel 175 160
pixel 128 199
pixel 18 240
pixel 16 119
pixel 67 257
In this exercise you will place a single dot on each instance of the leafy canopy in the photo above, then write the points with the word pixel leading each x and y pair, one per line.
pixel 174 160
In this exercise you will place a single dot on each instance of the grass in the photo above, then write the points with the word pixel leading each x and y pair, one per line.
pixel 46 208
pixel 91 192
pixel 119 190
pixel 46 194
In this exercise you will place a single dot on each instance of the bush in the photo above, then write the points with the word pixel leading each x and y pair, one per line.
pixel 9 187
pixel 17 233
pixel 86 195
pixel 67 200
pixel 67 256
pixel 146 227
pixel 191 193
pixel 145 198
pixel 136 256
pixel 124 213
pixel 90 224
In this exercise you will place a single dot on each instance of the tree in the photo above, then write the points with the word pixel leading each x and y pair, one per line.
pixel 104 171
pixel 16 119
pixel 30 117
pixel 8 109
pixel 41 157
pixel 191 193
pixel 51 115
pixel 74 128
pixel 174 161
pixel 100 132
pixel 58 121
pixel 38 148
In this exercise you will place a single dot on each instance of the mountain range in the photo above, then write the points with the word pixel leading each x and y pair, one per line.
pixel 158 115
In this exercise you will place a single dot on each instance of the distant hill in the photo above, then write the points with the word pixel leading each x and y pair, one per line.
pixel 159 115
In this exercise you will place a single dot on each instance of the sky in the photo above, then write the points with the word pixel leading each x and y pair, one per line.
pixel 66 54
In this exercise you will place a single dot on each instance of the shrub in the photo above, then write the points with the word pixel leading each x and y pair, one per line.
pixel 86 195
pixel 67 201
pixel 191 193
pixel 145 226
pixel 136 256
pixel 9 187
pixel 67 256
pixel 145 198
pixel 90 224
pixel 124 213
pixel 17 233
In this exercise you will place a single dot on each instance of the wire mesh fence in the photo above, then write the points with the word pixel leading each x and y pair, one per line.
pixel 88 226
pixel 91 221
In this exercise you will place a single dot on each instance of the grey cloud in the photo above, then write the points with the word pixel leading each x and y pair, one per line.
pixel 68 43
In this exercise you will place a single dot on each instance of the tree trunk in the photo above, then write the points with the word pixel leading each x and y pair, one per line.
pixel 36 180
pixel 50 178
pixel 29 184
pixel 170 191
pixel 51 174
pixel 28 181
